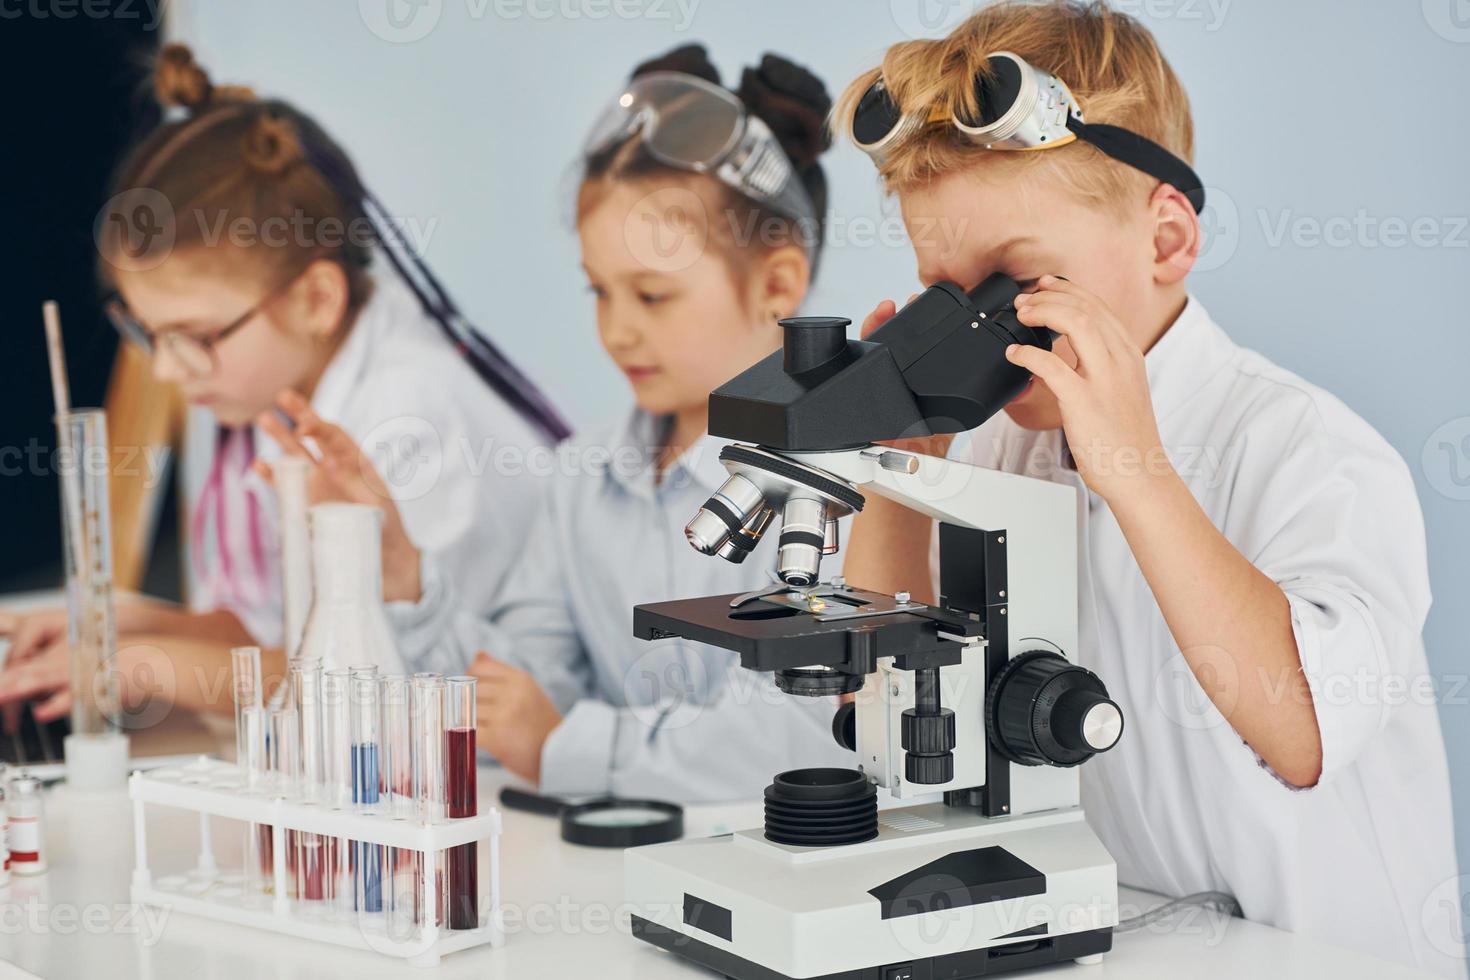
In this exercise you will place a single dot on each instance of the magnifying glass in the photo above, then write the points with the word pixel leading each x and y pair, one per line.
pixel 604 822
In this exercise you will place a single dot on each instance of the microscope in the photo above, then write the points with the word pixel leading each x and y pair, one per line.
pixel 975 708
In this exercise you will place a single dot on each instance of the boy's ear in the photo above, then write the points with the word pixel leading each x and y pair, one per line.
pixel 320 295
pixel 1177 234
pixel 781 281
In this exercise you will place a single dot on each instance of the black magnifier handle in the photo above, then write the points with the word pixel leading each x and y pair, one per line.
pixel 520 799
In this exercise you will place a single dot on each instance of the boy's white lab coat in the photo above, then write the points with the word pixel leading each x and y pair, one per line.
pixel 1318 501
pixel 450 449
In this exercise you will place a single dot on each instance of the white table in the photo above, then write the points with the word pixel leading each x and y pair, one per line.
pixel 562 902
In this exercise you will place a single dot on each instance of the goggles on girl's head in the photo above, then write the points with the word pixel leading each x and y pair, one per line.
pixel 690 124
pixel 1021 107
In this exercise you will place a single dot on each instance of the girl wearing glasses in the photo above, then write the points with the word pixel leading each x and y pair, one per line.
pixel 247 257
pixel 699 216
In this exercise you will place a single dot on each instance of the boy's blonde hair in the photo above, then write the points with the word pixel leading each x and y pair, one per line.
pixel 1109 60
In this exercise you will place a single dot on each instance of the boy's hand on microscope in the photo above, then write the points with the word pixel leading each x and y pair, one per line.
pixel 924 445
pixel 343 472
pixel 1107 414
pixel 513 714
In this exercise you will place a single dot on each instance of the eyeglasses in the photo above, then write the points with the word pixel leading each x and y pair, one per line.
pixel 195 353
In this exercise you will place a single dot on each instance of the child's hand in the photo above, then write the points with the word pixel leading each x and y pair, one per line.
pixel 44 679
pixel 1107 415
pixel 344 472
pixel 924 445
pixel 513 714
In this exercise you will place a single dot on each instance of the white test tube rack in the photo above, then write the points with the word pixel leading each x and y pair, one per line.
pixel 213 788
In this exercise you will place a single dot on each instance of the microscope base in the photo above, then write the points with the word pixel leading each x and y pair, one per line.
pixel 941 892
pixel 1084 947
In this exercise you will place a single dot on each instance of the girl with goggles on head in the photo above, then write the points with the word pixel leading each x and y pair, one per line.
pixel 674 173
pixel 301 320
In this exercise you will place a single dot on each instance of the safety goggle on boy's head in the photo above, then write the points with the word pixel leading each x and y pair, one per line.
pixel 1021 107
pixel 689 124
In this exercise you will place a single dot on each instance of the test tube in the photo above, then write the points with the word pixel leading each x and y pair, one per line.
pixel 285 770
pixel 306 687
pixel 87 546
pixel 250 756
pixel 337 779
pixel 428 787
pixel 460 794
pixel 365 776
pixel 397 785
pixel 245 668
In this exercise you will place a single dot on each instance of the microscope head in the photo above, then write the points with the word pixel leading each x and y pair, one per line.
pixel 937 366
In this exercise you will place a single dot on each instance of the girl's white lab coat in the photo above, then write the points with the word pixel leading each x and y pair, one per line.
pixel 445 443
pixel 1318 501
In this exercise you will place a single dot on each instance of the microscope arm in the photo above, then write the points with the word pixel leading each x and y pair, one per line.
pixel 1039 519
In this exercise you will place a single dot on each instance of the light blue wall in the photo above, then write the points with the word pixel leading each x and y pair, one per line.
pixel 1318 122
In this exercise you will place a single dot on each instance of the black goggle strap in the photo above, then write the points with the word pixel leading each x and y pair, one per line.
pixel 489 362
pixel 1142 153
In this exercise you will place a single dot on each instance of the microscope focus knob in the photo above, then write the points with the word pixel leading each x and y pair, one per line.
pixel 1044 710
pixel 844 726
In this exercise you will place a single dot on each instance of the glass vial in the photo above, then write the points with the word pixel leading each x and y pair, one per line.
pixel 24 825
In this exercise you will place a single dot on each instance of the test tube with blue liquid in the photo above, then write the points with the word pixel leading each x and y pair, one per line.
pixel 367 864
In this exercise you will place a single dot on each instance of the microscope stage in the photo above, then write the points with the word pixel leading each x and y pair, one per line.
pixel 771 634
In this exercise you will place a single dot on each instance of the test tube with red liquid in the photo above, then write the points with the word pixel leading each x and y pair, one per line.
pixel 459 780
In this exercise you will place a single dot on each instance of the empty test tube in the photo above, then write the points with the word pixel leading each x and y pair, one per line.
pixel 396 741
pixel 284 751
pixel 337 781
pixel 306 689
pixel 250 739
pixel 428 788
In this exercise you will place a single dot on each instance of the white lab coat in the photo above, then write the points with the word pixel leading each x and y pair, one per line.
pixel 451 450
pixel 1318 501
